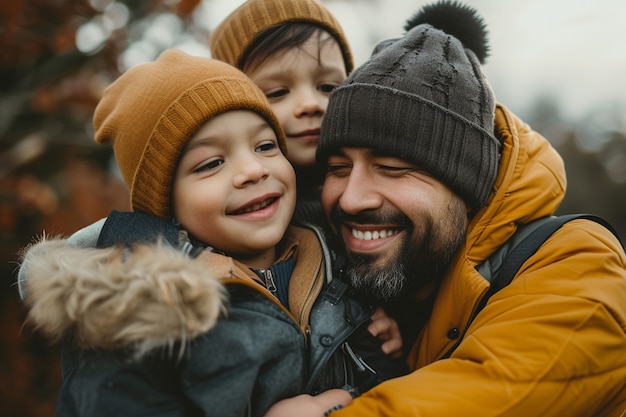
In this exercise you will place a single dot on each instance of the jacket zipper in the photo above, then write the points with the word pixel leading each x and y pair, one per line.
pixel 357 359
pixel 268 277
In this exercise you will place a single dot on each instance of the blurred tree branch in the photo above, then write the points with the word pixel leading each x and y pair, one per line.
pixel 45 80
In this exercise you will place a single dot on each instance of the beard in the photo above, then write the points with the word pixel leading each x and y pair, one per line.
pixel 420 261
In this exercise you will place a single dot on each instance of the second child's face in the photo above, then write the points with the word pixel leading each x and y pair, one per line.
pixel 298 83
pixel 234 189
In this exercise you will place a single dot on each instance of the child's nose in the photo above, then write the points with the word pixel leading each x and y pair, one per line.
pixel 250 171
pixel 310 103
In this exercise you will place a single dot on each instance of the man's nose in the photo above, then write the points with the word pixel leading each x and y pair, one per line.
pixel 361 193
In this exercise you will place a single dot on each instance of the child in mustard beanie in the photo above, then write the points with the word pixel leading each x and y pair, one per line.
pixel 297 53
pixel 203 300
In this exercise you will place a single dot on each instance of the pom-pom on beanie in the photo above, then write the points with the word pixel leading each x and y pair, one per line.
pixel 424 98
pixel 151 111
pixel 230 40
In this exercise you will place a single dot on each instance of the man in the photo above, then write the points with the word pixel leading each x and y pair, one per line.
pixel 427 177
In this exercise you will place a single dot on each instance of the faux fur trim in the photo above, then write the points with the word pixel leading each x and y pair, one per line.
pixel 111 298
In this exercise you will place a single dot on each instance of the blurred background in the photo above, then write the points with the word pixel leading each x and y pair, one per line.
pixel 558 64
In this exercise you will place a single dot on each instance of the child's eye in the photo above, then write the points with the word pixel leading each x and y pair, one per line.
pixel 327 88
pixel 266 146
pixel 277 93
pixel 212 164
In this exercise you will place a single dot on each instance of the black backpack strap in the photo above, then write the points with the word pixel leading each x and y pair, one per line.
pixel 516 258
pixel 520 254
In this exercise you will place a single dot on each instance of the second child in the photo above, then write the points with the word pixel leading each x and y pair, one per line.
pixel 297 53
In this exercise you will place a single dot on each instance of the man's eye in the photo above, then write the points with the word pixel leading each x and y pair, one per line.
pixel 338 170
pixel 394 168
pixel 212 164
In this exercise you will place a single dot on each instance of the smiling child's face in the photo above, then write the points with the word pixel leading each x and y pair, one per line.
pixel 298 83
pixel 234 189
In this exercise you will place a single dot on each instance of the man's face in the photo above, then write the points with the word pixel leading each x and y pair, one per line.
pixel 399 225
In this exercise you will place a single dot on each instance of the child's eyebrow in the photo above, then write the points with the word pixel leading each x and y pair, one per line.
pixel 217 137
pixel 332 69
pixel 261 126
pixel 273 75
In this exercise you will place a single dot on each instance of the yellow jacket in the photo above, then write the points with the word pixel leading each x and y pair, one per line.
pixel 552 343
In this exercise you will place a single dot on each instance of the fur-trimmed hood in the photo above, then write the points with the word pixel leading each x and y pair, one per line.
pixel 111 298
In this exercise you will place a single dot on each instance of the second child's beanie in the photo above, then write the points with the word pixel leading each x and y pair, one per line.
pixel 230 40
pixel 151 111
pixel 424 98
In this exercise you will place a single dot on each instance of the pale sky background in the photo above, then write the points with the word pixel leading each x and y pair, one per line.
pixel 573 49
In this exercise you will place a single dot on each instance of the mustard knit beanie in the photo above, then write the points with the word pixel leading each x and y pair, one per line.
pixel 230 40
pixel 424 98
pixel 152 110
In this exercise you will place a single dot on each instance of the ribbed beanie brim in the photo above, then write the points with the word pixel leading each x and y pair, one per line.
pixel 422 98
pixel 230 40
pixel 460 154
pixel 151 111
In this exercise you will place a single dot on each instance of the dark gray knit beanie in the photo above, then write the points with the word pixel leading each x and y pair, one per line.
pixel 424 98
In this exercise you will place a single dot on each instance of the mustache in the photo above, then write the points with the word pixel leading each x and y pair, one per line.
pixel 338 216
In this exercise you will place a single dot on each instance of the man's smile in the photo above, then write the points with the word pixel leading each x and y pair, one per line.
pixel 373 234
pixel 369 238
